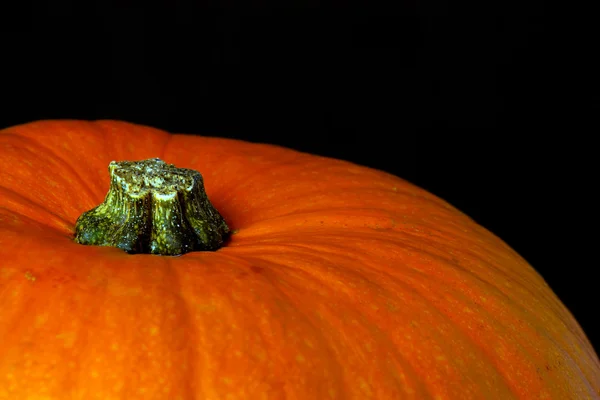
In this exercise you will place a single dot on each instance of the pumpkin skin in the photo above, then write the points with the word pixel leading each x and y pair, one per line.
pixel 340 282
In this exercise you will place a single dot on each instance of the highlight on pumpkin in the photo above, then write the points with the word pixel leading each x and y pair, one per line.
pixel 153 207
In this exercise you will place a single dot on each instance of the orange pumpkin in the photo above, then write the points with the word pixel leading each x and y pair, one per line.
pixel 338 282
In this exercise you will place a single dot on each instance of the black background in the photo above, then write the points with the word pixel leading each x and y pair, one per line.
pixel 475 105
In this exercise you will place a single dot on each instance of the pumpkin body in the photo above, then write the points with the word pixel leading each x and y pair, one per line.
pixel 339 282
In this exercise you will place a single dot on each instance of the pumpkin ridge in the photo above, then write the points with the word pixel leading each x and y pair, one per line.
pixel 109 129
pixel 467 337
pixel 473 250
pixel 191 333
pixel 351 303
pixel 244 181
pixel 48 153
pixel 282 319
pixel 60 224
pixel 465 251
pixel 165 147
pixel 276 286
pixel 484 265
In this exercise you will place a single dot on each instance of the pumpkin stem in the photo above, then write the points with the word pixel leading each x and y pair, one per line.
pixel 153 207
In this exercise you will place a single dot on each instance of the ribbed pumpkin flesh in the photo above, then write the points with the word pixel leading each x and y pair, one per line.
pixel 339 282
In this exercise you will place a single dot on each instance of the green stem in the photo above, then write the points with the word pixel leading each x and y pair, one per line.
pixel 153 207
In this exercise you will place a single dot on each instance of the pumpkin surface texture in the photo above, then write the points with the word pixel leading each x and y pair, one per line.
pixel 336 282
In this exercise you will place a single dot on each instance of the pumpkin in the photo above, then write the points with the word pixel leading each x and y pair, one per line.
pixel 336 282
